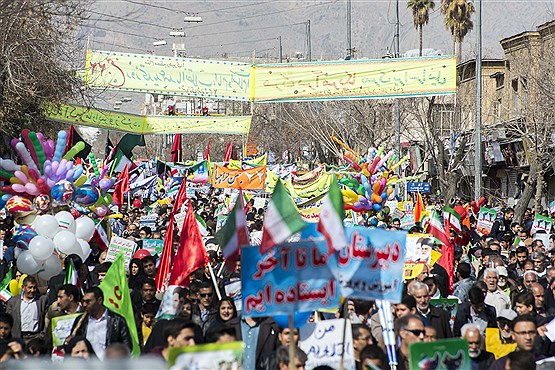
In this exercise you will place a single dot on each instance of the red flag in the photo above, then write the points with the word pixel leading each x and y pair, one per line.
pixel 418 208
pixel 177 151
pixel 207 152
pixel 122 186
pixel 180 198
pixel 228 152
pixel 191 254
pixel 166 260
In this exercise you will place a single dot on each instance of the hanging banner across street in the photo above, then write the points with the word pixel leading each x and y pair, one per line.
pixel 335 80
pixel 168 75
pixel 126 122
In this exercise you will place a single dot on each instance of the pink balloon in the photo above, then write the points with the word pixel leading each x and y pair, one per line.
pixel 21 176
pixel 32 189
pixel 19 188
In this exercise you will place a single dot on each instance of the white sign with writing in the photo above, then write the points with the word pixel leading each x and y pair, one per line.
pixel 180 219
pixel 120 245
pixel 323 344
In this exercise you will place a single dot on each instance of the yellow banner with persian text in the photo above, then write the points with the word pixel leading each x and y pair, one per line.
pixel 126 122
pixel 359 79
pixel 216 79
pixel 168 75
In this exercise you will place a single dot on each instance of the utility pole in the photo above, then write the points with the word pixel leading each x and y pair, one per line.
pixel 396 107
pixel 280 51
pixel 308 41
pixel 349 44
pixel 478 121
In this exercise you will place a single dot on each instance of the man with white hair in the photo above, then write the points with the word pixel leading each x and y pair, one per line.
pixel 432 316
pixel 479 359
pixel 495 296
pixel 529 278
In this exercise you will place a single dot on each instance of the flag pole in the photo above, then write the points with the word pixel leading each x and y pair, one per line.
pixel 214 281
pixel 342 364
pixel 292 343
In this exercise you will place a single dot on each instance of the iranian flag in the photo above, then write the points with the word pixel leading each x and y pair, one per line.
pixel 435 227
pixel 233 235
pixel 332 214
pixel 282 219
pixel 71 275
pixel 452 219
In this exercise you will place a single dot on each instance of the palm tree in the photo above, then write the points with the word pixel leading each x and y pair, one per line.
pixel 458 20
pixel 420 16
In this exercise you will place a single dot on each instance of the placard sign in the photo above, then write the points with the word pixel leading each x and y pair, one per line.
pixel 120 245
pixel 323 344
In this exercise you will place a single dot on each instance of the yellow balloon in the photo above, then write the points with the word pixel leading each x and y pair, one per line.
pixel 349 196
pixel 80 181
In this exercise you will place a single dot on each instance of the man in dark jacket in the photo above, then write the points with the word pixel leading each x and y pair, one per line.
pixel 99 325
pixel 503 225
pixel 260 336
pixel 474 312
pixel 431 316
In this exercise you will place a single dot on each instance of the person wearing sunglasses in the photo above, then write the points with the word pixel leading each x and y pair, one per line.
pixel 524 333
pixel 499 341
pixel 410 329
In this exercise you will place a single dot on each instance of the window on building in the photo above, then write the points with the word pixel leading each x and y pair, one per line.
pixel 443 117
pixel 497 110
pixel 514 85
pixel 499 80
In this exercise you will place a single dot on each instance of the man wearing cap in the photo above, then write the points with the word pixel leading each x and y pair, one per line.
pixel 495 297
pixel 499 340
pixel 503 282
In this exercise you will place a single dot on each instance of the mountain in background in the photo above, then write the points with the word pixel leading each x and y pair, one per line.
pixel 234 29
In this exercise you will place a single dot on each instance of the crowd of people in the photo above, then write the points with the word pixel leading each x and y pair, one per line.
pixel 504 285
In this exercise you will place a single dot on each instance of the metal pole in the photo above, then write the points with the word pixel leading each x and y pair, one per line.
pixel 478 122
pixel 309 42
pixel 280 51
pixel 396 107
pixel 349 44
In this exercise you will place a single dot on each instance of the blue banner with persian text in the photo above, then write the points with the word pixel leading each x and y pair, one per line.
pixel 371 266
pixel 292 277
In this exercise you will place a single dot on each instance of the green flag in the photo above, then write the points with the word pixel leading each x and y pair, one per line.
pixel 117 298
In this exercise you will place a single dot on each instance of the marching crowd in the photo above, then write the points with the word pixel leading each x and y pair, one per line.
pixel 504 285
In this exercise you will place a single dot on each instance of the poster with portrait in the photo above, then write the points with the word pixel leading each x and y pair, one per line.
pixel 419 248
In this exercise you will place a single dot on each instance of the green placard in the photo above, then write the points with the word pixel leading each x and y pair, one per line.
pixel 208 356
pixel 447 354
pixel 61 328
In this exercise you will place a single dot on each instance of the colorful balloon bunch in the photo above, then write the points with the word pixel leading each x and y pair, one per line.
pixel 48 176
pixel 371 187
pixel 41 244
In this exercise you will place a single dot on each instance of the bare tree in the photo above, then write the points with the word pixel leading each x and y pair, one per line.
pixel 39 57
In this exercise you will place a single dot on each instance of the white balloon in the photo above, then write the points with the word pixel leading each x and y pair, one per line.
pixel 27 264
pixel 64 241
pixel 17 252
pixel 41 248
pixel 83 249
pixel 46 225
pixel 84 228
pixel 52 266
pixel 66 221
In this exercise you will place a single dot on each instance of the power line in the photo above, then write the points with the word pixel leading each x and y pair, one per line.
pixel 121 32
pixel 185 12
pixel 265 14
pixel 120 46
pixel 127 20
pixel 234 43
pixel 247 30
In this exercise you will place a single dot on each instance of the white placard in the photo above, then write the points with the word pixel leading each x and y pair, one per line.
pixel 120 245
pixel 323 344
